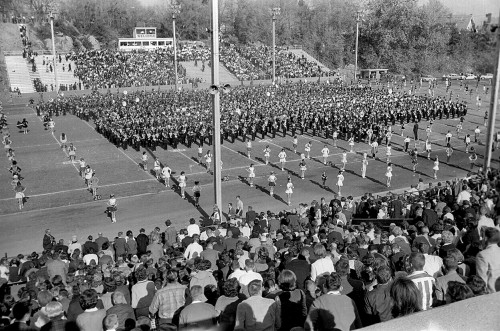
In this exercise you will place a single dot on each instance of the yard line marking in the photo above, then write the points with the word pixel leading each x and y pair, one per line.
pixel 83 189
pixel 232 150
pixel 187 157
pixel 128 157
pixel 311 138
pixel 64 150
pixel 51 144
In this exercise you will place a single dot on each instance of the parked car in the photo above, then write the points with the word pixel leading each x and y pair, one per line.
pixel 453 77
pixel 427 78
pixel 487 76
pixel 470 77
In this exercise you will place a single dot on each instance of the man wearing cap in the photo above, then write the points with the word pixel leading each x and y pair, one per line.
pixel 198 314
pixel 256 312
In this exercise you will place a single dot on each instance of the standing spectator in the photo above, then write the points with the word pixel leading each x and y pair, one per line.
pixel 131 244
pixel 450 269
pixel 227 304
pixel 142 292
pixel 424 282
pixel 55 312
pixel 121 309
pixel 406 297
pixel 488 262
pixel 142 242
pixel 378 303
pixel 120 246
pixel 291 301
pixel 323 264
pixel 90 244
pixel 168 300
pixel 203 275
pixel 209 253
pixel 198 314
pixel 194 249
pixel 299 266
pixel 57 267
pixel 47 241
pixel 193 228
pixel 21 313
pixel 256 312
pixel 75 245
pixel 170 233
pixel 101 240
pixel 333 311
pixel 91 319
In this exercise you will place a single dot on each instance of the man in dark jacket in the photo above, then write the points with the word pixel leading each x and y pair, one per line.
pixel 142 242
pixel 47 241
pixel 100 241
pixel 120 246
pixel 90 244
pixel 251 215
pixel 378 303
pixel 429 216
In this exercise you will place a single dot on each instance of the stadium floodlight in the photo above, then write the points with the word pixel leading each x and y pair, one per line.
pixel 176 9
pixel 274 13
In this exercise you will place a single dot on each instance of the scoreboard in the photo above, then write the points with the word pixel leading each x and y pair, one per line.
pixel 145 32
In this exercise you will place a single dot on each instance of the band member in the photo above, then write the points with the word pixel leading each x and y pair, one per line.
pixel 249 148
pixel 364 164
pixel 144 161
pixel 182 184
pixel 282 157
pixel 428 149
pixel 374 148
pixel 335 135
pixel 436 167
pixel 208 160
pixel 307 149
pixel 324 178
pixel 200 155
pixel 414 159
pixel 351 145
pixel 388 174
pixel 407 143
pixel 303 168
pixel 196 193
pixel 388 152
pixel 340 181
pixel 251 174
pixel 267 154
pixel 112 208
pixel 472 158
pixel 449 151
pixel 289 190
pixel 64 139
pixel 344 160
pixel 295 143
pixel 157 168
pixel 467 143
pixel 166 173
pixel 272 183
pixel 326 152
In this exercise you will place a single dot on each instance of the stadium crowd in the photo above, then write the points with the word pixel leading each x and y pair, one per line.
pixel 107 68
pixel 329 110
pixel 302 269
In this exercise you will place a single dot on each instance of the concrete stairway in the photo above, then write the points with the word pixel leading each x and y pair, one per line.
pixel 195 72
pixel 19 74
pixel 64 77
pixel 300 52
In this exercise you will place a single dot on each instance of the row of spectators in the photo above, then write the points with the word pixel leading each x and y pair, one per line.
pixel 307 269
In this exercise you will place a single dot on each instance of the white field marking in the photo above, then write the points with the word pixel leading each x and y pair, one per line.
pixel 83 189
pixel 176 150
pixel 52 144
pixel 187 157
pixel 64 150
pixel 311 138
pixel 253 160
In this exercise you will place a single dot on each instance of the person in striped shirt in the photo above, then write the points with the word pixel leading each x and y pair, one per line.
pixel 424 282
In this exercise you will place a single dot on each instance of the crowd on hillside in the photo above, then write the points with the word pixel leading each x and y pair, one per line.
pixel 329 110
pixel 255 62
pixel 306 268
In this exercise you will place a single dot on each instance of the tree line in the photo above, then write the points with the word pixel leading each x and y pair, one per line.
pixel 400 35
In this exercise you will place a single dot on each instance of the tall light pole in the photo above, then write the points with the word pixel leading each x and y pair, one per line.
pixel 216 105
pixel 51 15
pixel 358 19
pixel 275 12
pixel 495 94
pixel 176 9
